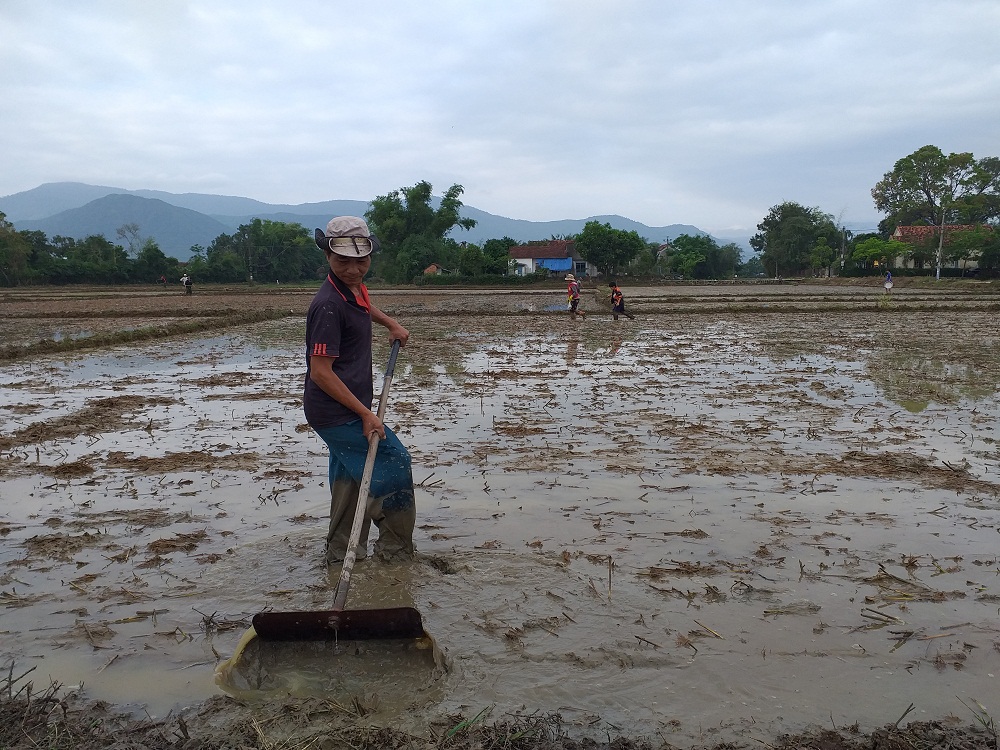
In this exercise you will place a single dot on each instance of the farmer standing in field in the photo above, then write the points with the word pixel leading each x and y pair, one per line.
pixel 188 283
pixel 573 296
pixel 339 393
pixel 618 302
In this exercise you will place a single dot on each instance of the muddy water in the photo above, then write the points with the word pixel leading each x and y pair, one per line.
pixel 677 524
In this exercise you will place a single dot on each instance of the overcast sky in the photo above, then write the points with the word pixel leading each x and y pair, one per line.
pixel 665 111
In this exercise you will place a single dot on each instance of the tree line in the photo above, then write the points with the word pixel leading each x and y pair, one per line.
pixel 413 233
pixel 265 250
pixel 926 188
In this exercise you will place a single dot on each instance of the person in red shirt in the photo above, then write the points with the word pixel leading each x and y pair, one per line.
pixel 573 296
pixel 339 393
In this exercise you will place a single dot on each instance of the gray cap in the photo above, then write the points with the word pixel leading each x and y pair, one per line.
pixel 347 236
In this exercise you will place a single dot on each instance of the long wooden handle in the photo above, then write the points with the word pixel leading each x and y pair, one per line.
pixel 350 557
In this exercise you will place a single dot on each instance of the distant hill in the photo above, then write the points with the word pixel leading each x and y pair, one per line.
pixel 309 215
pixel 178 221
pixel 174 229
pixel 50 199
pixel 490 226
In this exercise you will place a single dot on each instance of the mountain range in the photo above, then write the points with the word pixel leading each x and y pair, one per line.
pixel 177 221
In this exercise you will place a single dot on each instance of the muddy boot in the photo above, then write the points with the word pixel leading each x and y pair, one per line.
pixel 343 501
pixel 395 517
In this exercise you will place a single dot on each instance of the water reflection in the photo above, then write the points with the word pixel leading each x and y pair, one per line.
pixel 914 358
pixel 912 378
pixel 571 350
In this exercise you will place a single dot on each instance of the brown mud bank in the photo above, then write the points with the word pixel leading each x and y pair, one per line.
pixel 761 516
pixel 28 722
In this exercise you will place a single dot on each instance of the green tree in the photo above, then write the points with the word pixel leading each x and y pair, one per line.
pixel 129 234
pixel 496 256
pixel 786 237
pixel 15 252
pixel 989 252
pixel 611 250
pixel 981 245
pixel 225 259
pixel 646 262
pixel 471 260
pixel 41 257
pixel 226 267
pixel 92 260
pixel 151 263
pixel 687 253
pixel 264 250
pixel 939 189
pixel 701 257
pixel 413 255
pixel 752 268
pixel 724 261
pixel 412 232
pixel 874 249
pixel 822 255
pixel 922 253
pixel 197 265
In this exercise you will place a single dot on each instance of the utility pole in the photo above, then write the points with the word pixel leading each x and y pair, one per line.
pixel 940 251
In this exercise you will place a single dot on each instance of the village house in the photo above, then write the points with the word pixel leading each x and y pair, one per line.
pixel 435 269
pixel 927 235
pixel 555 256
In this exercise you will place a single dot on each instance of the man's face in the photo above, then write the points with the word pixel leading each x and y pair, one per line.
pixel 349 270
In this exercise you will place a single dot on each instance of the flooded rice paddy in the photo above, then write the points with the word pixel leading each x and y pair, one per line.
pixel 697 523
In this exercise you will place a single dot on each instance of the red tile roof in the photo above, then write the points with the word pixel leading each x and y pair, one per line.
pixel 918 234
pixel 550 249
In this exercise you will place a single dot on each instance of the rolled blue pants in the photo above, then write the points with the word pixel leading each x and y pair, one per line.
pixel 391 504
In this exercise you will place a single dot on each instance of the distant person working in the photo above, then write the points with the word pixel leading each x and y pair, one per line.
pixel 573 296
pixel 618 302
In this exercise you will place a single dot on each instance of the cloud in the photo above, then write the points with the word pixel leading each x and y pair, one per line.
pixel 666 112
